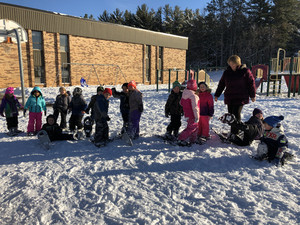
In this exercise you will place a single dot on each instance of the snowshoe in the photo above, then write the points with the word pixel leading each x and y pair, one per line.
pixel 88 126
pixel 172 141
pixel 227 118
pixel 222 137
pixel 44 139
pixel 184 143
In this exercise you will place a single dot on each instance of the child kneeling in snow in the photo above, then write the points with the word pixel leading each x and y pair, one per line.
pixel 54 131
pixel 191 107
pixel 274 143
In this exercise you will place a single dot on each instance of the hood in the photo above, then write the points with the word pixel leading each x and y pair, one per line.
pixel 51 116
pixel 36 89
pixel 187 93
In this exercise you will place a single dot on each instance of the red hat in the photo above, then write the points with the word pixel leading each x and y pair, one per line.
pixel 132 84
pixel 107 90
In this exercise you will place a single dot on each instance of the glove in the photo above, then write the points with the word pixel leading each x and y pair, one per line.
pixel 24 112
pixel 141 108
pixel 196 120
pixel 113 90
pixel 45 113
pixel 167 115
pixel 107 118
pixel 2 114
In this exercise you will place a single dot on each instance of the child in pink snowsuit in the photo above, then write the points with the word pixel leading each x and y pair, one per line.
pixel 191 107
pixel 206 110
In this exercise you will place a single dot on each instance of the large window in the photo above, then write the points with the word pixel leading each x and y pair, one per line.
pixel 160 63
pixel 38 57
pixel 65 58
pixel 148 63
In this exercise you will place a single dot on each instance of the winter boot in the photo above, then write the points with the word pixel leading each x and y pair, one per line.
pixel 168 136
pixel 175 133
pixel 88 126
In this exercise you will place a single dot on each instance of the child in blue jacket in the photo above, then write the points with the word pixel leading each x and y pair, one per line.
pixel 36 105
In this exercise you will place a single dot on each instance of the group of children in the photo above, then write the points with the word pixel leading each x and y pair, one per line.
pixel 195 102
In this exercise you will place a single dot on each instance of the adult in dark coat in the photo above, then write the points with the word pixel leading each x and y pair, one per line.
pixel 239 85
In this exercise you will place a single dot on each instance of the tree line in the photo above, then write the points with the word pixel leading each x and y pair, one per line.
pixel 252 29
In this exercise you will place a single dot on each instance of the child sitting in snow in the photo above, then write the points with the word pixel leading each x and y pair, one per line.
pixel 61 106
pixel 191 107
pixel 206 110
pixel 136 108
pixel 54 131
pixel 248 131
pixel 10 105
pixel 124 104
pixel 36 105
pixel 78 107
pixel 274 143
pixel 101 117
pixel 174 109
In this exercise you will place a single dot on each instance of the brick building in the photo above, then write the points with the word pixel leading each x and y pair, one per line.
pixel 61 49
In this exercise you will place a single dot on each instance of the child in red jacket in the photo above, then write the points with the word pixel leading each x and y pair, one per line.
pixel 206 111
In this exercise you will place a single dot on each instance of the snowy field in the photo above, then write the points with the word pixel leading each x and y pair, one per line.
pixel 151 182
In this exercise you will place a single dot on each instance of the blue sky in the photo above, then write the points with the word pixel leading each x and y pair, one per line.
pixel 96 7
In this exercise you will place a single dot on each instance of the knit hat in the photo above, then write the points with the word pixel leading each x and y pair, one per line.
pixel 125 85
pixel 256 111
pixel 202 83
pixel 51 116
pixel 176 84
pixel 273 120
pixel 132 84
pixel 9 90
pixel 192 85
pixel 100 88
pixel 107 90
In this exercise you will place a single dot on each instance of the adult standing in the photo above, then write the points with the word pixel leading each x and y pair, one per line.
pixel 239 85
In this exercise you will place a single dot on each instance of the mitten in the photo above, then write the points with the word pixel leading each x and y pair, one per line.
pixel 45 113
pixel 167 115
pixel 107 118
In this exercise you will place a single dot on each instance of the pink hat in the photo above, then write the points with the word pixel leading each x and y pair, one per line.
pixel 192 85
pixel 9 90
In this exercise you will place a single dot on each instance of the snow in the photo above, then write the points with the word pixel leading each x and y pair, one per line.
pixel 151 182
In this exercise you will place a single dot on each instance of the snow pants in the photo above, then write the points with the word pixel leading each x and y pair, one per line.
pixel 203 126
pixel 35 122
pixel 63 117
pixel 75 120
pixel 190 132
pixel 174 124
pixel 134 123
pixel 12 122
pixel 236 111
pixel 101 134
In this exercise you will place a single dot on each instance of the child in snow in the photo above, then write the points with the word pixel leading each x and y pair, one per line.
pixel 174 109
pixel 54 131
pixel 124 104
pixel 10 105
pixel 191 107
pixel 274 143
pixel 100 90
pixel 61 106
pixel 136 108
pixel 78 107
pixel 206 110
pixel 101 117
pixel 36 105
pixel 249 131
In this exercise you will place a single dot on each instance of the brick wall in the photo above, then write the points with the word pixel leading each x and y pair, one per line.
pixel 128 57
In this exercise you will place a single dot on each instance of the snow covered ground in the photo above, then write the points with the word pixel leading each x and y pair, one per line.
pixel 151 182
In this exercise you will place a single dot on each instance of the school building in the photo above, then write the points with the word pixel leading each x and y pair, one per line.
pixel 62 49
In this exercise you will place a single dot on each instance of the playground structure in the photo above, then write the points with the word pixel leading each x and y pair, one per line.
pixel 182 76
pixel 83 71
pixel 280 67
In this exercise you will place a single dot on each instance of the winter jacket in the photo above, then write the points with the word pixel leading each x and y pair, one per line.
pixel 239 85
pixel 53 131
pixel 124 100
pixel 275 139
pixel 10 106
pixel 258 127
pixel 206 104
pixel 78 105
pixel 173 106
pixel 91 104
pixel 135 100
pixel 36 104
pixel 62 102
pixel 191 104
pixel 101 108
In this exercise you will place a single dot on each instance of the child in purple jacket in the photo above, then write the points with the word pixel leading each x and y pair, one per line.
pixel 10 105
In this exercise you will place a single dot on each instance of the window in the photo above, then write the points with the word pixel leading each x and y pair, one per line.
pixel 65 58
pixel 148 63
pixel 160 63
pixel 38 57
